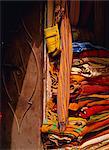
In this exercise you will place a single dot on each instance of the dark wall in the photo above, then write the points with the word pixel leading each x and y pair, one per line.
pixel 101 22
pixel 106 24
pixel 22 66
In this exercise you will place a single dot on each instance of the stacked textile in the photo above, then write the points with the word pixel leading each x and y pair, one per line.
pixel 88 121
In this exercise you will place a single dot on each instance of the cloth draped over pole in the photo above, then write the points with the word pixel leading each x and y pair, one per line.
pixel 65 69
pixel 61 18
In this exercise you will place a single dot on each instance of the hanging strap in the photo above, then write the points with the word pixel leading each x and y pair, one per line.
pixel 50 8
pixel 64 72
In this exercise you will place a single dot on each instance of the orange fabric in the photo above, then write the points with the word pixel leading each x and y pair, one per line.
pixel 64 72
pixel 94 126
pixel 76 106
pixel 95 136
pixel 102 102
pixel 102 133
pixel 77 78
pixel 70 131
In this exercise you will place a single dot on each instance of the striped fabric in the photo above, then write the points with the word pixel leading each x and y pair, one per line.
pixel 64 72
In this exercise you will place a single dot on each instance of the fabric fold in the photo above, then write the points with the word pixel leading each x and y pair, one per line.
pixel 63 94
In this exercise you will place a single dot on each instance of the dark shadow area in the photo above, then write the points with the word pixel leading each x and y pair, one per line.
pixel 21 27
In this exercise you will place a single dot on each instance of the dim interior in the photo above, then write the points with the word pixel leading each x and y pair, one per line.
pixel 22 35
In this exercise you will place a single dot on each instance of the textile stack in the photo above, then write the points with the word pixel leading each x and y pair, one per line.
pixel 77 112
pixel 88 110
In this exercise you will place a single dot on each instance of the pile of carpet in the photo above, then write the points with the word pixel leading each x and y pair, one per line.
pixel 88 121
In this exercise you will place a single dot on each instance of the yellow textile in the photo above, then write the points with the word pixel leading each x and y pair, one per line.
pixel 74 123
pixel 50 115
pixel 76 77
pixel 76 106
pixel 52 39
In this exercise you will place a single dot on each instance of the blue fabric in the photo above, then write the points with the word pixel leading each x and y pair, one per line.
pixel 80 46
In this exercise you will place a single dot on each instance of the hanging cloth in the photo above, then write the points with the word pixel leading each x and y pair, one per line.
pixel 51 32
pixel 64 72
pixel 74 12
pixel 59 10
pixel 50 9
